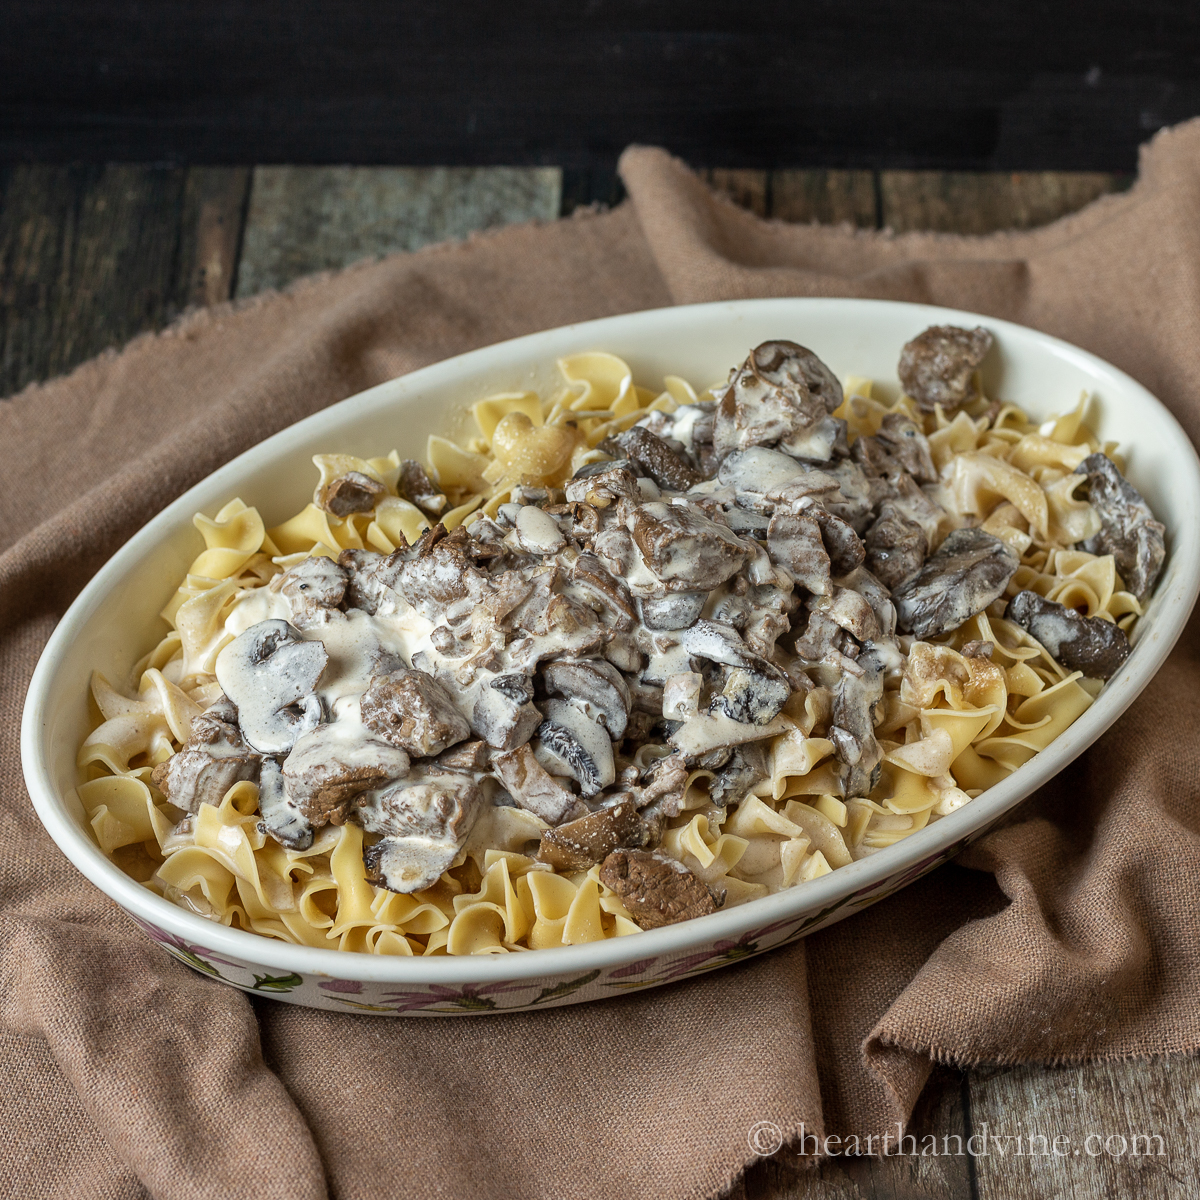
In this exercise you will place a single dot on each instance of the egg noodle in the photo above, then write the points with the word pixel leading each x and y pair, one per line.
pixel 950 724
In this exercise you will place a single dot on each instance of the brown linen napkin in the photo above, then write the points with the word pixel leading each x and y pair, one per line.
pixel 1071 933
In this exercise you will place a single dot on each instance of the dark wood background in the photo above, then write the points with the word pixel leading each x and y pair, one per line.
pixel 1006 85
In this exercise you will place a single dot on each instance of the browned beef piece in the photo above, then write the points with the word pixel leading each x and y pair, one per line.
pixel 353 492
pixel 473 757
pixel 416 487
pixel 685 550
pixel 209 763
pixel 908 446
pixel 656 890
pixel 578 844
pixel 667 469
pixel 794 542
pixel 895 546
pixel 531 786
pixel 937 366
pixel 323 774
pixel 314 586
pixel 412 710
pixel 1088 644
pixel 843 544
pixel 371 577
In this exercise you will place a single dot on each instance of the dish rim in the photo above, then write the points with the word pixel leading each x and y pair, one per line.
pixel 1174 607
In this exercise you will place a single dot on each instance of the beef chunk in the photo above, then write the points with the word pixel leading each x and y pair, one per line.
pixel 794 542
pixel 1088 644
pixel 326 770
pixel 843 545
pixel 895 546
pixel 313 588
pixel 1128 530
pixel 416 487
pixel 970 569
pixel 907 446
pixel 937 366
pixel 373 580
pixel 578 844
pixel 353 492
pixel 686 551
pixel 412 710
pixel 531 786
pixel 209 763
pixel 656 890
pixel 472 757
pixel 781 394
pixel 667 468
pixel 852 731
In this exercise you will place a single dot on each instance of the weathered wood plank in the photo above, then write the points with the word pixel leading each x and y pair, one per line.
pixel 1111 1103
pixel 830 197
pixel 214 209
pixel 750 189
pixel 304 219
pixel 939 1120
pixel 984 201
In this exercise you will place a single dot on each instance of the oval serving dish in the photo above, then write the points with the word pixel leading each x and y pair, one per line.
pixel 114 621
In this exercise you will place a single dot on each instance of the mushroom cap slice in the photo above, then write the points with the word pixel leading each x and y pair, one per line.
pixel 675 610
pixel 281 816
pixel 970 569
pixel 1088 644
pixel 577 746
pixel 271 674
pixel 597 685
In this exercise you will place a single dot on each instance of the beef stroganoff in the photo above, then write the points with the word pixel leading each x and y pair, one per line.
pixel 625 657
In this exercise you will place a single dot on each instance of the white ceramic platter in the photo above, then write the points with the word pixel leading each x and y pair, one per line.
pixel 114 621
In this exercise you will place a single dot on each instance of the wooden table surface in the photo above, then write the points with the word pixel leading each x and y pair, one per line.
pixel 90 256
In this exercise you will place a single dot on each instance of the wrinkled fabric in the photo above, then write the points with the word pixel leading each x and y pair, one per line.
pixel 1072 932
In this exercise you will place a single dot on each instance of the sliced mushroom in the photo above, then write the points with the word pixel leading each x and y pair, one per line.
pixel 353 492
pixel 532 787
pixel 329 767
pixel 876 595
pixel 209 763
pixel 852 730
pixel 849 611
pixel 970 569
pixel 576 745
pixel 667 469
pixel 1088 644
pixel 685 550
pixel 895 546
pixel 503 713
pixel 1128 530
pixel 794 542
pixel 426 822
pixel 675 610
pixel 271 675
pixel 411 710
pixel 538 531
pixel 779 394
pixel 656 890
pixel 281 816
pixel 681 695
pixel 754 690
pixel 416 487
pixel 581 843
pixel 597 686
pixel 314 587
pixel 938 366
